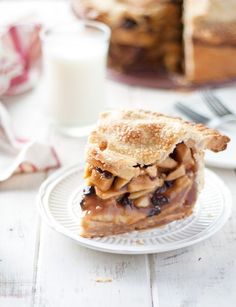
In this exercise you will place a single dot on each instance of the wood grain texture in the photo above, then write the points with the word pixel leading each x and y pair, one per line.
pixel 202 275
pixel 18 232
pixel 71 275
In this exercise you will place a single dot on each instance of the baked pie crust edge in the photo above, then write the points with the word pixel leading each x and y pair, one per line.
pixel 132 146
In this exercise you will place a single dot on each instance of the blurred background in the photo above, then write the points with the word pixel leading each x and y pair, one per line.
pixel 57 71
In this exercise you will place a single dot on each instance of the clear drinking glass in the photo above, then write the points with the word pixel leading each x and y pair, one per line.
pixel 75 58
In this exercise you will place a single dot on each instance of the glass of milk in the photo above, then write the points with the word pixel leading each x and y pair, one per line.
pixel 75 68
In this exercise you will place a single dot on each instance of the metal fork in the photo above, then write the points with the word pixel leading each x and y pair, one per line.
pixel 217 107
pixel 199 118
pixel 195 116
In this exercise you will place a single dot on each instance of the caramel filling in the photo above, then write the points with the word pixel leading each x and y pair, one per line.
pixel 159 189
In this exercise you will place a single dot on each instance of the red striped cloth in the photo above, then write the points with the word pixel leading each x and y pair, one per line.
pixel 20 57
pixel 20 156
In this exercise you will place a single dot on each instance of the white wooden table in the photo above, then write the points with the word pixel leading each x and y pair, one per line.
pixel 39 267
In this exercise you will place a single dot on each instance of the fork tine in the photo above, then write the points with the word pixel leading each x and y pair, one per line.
pixel 217 104
pixel 195 116
pixel 211 104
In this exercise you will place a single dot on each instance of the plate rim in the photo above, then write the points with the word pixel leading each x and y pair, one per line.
pixel 220 165
pixel 51 181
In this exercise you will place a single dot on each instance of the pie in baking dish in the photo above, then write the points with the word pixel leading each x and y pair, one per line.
pixel 196 38
pixel 143 169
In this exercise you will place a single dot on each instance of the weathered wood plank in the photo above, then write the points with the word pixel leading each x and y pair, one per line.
pixel 18 233
pixel 204 274
pixel 71 275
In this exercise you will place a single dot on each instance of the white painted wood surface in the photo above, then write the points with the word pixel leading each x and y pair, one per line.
pixel 41 268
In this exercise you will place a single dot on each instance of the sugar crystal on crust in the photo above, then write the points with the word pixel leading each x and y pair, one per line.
pixel 144 137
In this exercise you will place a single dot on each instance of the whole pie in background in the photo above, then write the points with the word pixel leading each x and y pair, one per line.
pixel 193 38
pixel 143 169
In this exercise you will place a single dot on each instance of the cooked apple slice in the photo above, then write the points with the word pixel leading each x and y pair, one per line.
pixel 152 171
pixel 138 194
pixel 181 184
pixel 168 163
pixel 178 172
pixel 184 155
pixel 101 179
pixel 142 202
pixel 87 171
pixel 144 182
pixel 109 193
pixel 119 183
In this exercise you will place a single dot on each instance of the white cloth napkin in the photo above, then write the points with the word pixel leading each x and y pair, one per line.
pixel 20 57
pixel 18 156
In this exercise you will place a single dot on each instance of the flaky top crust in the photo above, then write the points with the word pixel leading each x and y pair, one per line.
pixel 125 138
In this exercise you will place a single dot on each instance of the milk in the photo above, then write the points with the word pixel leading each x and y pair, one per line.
pixel 75 76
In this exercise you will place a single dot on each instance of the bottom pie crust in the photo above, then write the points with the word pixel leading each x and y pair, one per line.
pixel 101 229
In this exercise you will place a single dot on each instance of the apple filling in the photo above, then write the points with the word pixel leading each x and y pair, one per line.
pixel 166 189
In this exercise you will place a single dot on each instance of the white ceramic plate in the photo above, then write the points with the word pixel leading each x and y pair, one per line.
pixel 59 196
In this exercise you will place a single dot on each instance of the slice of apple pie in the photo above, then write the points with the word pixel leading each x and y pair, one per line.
pixel 143 169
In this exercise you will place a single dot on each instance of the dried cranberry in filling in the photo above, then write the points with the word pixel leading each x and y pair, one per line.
pixel 129 23
pixel 125 201
pixel 89 190
pixel 106 174
pixel 164 187
pixel 168 184
pixel 160 190
pixel 159 200
pixel 154 211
